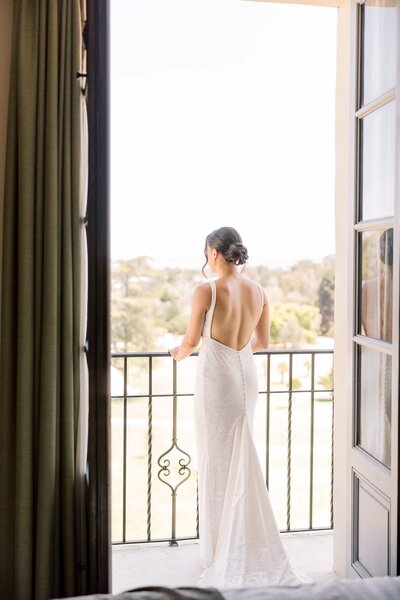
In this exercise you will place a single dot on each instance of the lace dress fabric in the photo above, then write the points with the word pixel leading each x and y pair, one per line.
pixel 240 543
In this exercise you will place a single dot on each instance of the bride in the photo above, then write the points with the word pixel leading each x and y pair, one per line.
pixel 240 543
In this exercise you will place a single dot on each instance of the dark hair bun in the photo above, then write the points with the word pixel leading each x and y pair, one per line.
pixel 236 253
pixel 229 243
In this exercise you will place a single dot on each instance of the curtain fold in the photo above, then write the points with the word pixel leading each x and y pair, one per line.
pixel 43 409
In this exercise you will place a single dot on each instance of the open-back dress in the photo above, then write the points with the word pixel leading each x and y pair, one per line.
pixel 240 543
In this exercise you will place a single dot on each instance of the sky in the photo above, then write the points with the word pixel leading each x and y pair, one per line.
pixel 222 113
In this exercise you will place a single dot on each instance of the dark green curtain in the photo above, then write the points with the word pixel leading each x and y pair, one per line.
pixel 42 408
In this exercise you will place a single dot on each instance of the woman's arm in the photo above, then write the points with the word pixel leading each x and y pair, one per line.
pixel 200 303
pixel 260 339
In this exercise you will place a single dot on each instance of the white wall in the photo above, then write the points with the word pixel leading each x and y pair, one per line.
pixel 5 56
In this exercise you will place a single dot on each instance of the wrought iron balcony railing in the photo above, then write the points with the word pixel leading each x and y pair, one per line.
pixel 293 429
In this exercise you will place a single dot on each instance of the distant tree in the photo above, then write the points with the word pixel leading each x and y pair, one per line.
pixel 327 380
pixel 296 384
pixel 283 369
pixel 132 326
pixel 132 306
pixel 309 318
pixel 326 300
pixel 148 302
pixel 307 365
pixel 171 316
pixel 291 333
pixel 300 283
pixel 294 324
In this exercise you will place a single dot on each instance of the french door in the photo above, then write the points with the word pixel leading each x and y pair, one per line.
pixel 374 464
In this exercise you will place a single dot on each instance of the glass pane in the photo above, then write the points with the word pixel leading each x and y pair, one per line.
pixel 375 403
pixel 376 284
pixel 377 162
pixel 379 48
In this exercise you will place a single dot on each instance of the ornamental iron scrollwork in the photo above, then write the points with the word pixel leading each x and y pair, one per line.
pixel 165 463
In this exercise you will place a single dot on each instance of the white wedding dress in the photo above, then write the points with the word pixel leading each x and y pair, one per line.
pixel 240 543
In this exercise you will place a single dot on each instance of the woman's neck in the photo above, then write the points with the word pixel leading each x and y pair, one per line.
pixel 228 270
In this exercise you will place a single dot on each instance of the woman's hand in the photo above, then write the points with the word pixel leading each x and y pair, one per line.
pixel 173 351
pixel 182 351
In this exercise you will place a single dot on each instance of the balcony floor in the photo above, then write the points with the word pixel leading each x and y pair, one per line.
pixel 138 565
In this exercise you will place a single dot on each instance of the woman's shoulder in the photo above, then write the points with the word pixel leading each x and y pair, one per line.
pixel 202 293
pixel 203 287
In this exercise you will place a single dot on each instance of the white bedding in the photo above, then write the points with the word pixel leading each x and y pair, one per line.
pixel 373 588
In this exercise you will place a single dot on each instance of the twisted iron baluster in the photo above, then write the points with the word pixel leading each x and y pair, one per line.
pixel 331 515
pixel 289 457
pixel 267 424
pixel 197 509
pixel 124 449
pixel 149 446
pixel 310 516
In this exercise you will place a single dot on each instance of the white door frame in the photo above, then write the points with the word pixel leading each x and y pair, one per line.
pixel 344 292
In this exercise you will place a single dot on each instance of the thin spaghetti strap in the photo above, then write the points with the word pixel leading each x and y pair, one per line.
pixel 262 296
pixel 212 307
pixel 213 297
pixel 262 292
pixel 210 312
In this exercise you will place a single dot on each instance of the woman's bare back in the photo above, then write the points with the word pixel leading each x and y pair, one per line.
pixel 238 308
